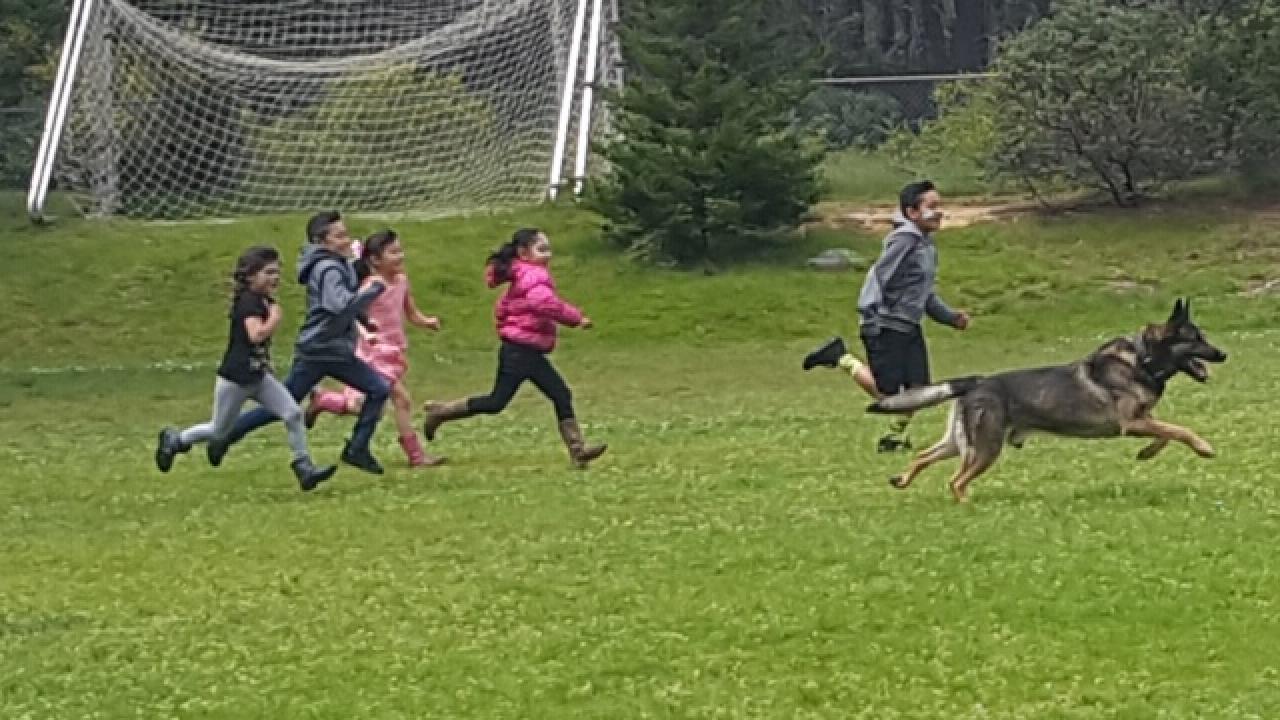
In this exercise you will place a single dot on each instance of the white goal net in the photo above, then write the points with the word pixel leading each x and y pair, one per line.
pixel 191 108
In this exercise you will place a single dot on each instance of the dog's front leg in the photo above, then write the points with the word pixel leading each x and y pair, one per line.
pixel 1148 426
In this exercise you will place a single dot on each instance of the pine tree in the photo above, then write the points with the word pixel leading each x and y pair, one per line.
pixel 707 161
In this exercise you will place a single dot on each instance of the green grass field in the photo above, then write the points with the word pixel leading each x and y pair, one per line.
pixel 873 178
pixel 737 553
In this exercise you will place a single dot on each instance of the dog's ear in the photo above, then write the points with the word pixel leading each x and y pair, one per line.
pixel 1179 314
pixel 1186 308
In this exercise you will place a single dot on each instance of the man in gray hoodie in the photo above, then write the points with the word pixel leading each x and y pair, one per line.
pixel 326 344
pixel 896 295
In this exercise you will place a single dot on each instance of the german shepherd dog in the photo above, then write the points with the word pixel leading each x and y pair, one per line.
pixel 1109 393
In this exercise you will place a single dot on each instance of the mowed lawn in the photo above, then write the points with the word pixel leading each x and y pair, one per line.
pixel 736 553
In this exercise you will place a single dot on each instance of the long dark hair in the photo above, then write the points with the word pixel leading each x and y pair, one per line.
pixel 502 258
pixel 250 262
pixel 373 247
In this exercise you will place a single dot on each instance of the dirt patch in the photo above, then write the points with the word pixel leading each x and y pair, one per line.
pixel 971 211
pixel 1258 288
pixel 879 218
pixel 1130 286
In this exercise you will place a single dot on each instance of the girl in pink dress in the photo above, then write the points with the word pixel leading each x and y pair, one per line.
pixel 383 344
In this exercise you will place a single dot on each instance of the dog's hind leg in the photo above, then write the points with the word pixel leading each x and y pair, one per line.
pixel 1153 449
pixel 984 429
pixel 975 464
pixel 947 447
pixel 942 450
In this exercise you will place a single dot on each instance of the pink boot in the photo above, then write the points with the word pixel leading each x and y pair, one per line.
pixel 323 401
pixel 417 456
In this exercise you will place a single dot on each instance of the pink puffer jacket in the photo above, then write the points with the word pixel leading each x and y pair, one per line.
pixel 529 311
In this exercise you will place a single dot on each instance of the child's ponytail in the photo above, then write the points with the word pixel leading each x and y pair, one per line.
pixel 500 260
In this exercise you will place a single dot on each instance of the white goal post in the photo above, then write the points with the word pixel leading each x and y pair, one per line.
pixel 200 108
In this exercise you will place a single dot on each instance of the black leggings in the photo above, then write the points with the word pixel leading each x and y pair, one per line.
pixel 517 363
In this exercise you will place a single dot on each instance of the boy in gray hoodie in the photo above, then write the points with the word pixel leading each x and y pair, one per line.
pixel 326 344
pixel 896 295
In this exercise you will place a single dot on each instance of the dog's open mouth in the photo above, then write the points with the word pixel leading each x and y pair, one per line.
pixel 1198 369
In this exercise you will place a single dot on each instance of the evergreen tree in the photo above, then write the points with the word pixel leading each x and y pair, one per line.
pixel 707 160
pixel 29 33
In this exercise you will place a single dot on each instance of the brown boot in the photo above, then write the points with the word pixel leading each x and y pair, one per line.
pixel 579 452
pixel 440 413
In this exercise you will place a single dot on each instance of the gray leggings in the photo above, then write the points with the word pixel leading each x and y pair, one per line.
pixel 229 397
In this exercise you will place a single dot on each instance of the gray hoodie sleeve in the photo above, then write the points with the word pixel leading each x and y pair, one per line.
pixel 340 302
pixel 939 311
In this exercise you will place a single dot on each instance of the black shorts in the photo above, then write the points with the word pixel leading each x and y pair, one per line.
pixel 897 359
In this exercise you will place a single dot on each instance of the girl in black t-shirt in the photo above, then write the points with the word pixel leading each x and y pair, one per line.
pixel 245 371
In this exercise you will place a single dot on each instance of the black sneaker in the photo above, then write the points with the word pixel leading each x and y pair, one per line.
pixel 827 356
pixel 216 450
pixel 893 443
pixel 362 459
pixel 167 448
pixel 309 476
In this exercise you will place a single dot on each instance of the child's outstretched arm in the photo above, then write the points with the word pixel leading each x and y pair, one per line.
pixel 545 302
pixel 336 299
pixel 939 311
pixel 415 316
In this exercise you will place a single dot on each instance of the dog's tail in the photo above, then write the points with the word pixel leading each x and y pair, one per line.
pixel 919 398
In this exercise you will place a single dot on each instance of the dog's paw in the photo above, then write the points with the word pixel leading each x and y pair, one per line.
pixel 899 482
pixel 1204 449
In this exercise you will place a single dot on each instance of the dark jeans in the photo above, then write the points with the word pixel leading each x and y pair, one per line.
pixel 517 363
pixel 302 379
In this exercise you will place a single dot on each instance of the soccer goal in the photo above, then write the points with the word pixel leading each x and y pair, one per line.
pixel 206 108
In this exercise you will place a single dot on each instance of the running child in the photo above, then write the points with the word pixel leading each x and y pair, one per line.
pixel 897 293
pixel 384 345
pixel 326 344
pixel 527 317
pixel 246 372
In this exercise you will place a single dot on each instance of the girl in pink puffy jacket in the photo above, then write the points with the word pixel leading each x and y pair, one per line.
pixel 527 317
